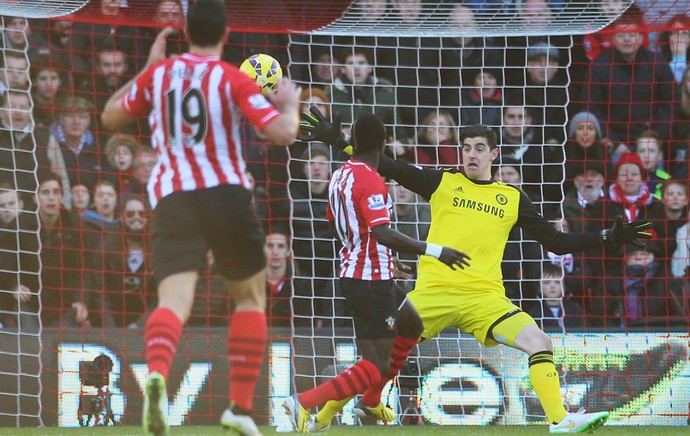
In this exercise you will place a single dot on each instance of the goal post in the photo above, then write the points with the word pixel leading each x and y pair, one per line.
pixel 41 8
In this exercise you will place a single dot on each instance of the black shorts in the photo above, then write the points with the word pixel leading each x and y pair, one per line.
pixel 189 223
pixel 373 305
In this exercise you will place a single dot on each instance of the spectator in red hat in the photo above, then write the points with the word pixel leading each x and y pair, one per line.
pixel 630 190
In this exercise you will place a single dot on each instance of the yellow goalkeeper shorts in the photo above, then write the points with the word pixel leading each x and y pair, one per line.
pixel 474 313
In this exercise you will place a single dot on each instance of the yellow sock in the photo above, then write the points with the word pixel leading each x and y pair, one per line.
pixel 329 410
pixel 547 386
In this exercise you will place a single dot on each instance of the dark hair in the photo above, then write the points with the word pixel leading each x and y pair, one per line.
pixel 126 199
pixel 351 52
pixel 7 186
pixel 664 37
pixel 120 45
pixel 368 133
pixel 552 270
pixel 105 182
pixel 681 183
pixel 479 131
pixel 514 99
pixel 5 98
pixel 206 22
pixel 650 134
pixel 45 175
pixel 507 161
pixel 633 16
pixel 15 55
pixel 46 62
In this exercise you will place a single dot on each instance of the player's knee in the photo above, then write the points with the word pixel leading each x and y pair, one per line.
pixel 532 340
pixel 411 329
pixel 249 294
pixel 543 341
pixel 410 324
pixel 384 369
pixel 250 301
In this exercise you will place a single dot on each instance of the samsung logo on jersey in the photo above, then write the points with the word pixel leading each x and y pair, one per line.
pixel 481 207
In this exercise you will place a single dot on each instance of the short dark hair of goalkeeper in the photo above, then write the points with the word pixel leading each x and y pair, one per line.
pixel 480 131
pixel 368 135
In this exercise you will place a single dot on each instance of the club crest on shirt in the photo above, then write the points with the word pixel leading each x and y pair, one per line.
pixel 390 322
pixel 376 202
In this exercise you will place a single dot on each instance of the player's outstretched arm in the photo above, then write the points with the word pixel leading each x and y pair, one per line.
pixel 318 128
pixel 421 181
pixel 114 117
pixel 540 229
pixel 283 129
pixel 623 233
pixel 402 243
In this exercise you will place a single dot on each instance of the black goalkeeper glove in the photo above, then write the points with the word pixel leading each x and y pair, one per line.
pixel 318 128
pixel 629 232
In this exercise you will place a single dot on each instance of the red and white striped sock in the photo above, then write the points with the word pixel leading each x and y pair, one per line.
pixel 401 349
pixel 351 382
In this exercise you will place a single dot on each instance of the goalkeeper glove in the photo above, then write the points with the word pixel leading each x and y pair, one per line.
pixel 322 130
pixel 622 233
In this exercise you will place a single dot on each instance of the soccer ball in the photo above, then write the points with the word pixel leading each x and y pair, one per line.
pixel 264 69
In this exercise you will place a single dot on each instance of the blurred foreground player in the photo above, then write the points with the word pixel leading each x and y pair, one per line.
pixel 201 198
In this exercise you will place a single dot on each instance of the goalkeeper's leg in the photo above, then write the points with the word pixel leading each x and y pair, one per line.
pixel 544 376
pixel 520 331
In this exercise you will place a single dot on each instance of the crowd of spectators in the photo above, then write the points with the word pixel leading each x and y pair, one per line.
pixel 589 132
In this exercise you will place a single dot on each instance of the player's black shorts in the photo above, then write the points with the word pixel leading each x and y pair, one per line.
pixel 188 223
pixel 373 305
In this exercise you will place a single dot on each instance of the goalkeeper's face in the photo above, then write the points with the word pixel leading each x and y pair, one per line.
pixel 477 157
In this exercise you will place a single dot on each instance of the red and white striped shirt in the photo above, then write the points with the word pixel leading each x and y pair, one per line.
pixel 357 202
pixel 195 105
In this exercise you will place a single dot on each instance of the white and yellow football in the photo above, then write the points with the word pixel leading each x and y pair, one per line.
pixel 264 69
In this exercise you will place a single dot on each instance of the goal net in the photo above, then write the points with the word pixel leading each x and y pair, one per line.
pixel 75 275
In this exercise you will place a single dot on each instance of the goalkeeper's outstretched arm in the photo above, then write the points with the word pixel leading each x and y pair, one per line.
pixel 421 181
pixel 557 242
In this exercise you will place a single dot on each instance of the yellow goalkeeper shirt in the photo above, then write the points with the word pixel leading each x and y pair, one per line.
pixel 475 217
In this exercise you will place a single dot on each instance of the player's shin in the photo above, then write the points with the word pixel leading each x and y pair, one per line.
pixel 547 386
pixel 246 344
pixel 161 337
pixel 351 382
pixel 401 349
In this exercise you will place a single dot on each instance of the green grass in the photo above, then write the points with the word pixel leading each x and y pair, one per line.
pixel 367 430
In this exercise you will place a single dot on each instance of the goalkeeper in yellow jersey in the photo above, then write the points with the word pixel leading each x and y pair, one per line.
pixel 472 213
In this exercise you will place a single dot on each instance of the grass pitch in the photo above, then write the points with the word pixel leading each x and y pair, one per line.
pixel 349 430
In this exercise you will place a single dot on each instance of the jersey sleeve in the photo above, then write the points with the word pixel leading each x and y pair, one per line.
pixel 419 180
pixel 247 95
pixel 539 228
pixel 373 201
pixel 139 100
pixel 329 212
